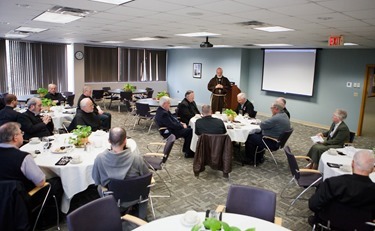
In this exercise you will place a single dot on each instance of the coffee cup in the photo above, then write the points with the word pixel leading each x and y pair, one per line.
pixel 76 159
pixel 217 113
pixel 346 168
pixel 190 217
pixel 332 151
pixel 34 140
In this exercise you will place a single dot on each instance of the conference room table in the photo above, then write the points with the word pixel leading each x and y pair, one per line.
pixel 75 177
pixel 344 161
pixel 25 98
pixel 176 222
pixel 238 130
pixel 155 103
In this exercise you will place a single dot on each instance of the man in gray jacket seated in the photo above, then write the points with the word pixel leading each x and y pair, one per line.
pixel 119 163
pixel 272 127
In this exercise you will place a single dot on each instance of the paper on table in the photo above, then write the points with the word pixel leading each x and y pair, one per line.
pixel 317 139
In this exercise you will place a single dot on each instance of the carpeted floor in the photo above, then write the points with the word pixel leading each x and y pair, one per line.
pixel 210 189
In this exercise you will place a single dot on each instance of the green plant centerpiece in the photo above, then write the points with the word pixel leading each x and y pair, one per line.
pixel 42 92
pixel 129 87
pixel 81 138
pixel 47 104
pixel 214 224
pixel 230 114
pixel 161 94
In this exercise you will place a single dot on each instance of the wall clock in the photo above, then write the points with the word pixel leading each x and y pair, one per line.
pixel 79 55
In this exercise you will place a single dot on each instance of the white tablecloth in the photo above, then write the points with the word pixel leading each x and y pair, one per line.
pixel 338 159
pixel 239 133
pixel 60 114
pixel 240 221
pixel 75 178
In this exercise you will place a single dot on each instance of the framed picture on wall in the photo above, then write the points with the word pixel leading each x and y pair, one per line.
pixel 197 70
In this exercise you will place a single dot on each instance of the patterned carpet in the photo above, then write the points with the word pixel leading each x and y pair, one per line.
pixel 210 189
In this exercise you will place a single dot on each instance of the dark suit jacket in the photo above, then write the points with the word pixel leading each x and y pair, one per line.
pixel 341 135
pixel 88 119
pixel 352 190
pixel 187 110
pixel 248 108
pixel 33 125
pixel 57 96
pixel 92 100
pixel 165 118
pixel 7 114
pixel 209 125
pixel 287 112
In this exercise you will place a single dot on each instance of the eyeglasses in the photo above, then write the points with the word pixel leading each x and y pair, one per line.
pixel 21 133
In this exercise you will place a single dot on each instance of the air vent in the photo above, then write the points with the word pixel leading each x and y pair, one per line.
pixel 252 23
pixel 160 37
pixel 249 45
pixel 70 11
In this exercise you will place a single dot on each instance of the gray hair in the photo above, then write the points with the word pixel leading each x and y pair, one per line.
pixel 364 160
pixel 188 93
pixel 341 114
pixel 84 102
pixel 32 101
pixel 51 85
pixel 163 100
pixel 206 109
pixel 242 95
pixel 8 131
pixel 278 106
pixel 117 136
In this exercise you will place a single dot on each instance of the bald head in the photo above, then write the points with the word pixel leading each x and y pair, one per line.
pixel 117 137
pixel 86 105
pixel 206 110
pixel 281 101
pixel 363 162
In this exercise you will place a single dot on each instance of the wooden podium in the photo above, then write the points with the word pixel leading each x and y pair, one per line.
pixel 231 97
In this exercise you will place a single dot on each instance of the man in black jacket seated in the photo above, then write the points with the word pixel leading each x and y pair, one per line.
pixel 32 123
pixel 355 190
pixel 164 118
pixel 244 106
pixel 56 97
pixel 208 124
pixel 8 114
pixel 86 116
pixel 187 108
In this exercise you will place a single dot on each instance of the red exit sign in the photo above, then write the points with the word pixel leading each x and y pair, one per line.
pixel 336 40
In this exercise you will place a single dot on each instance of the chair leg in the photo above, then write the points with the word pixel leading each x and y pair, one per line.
pixel 269 150
pixel 152 207
pixel 41 207
pixel 57 213
pixel 286 186
pixel 165 183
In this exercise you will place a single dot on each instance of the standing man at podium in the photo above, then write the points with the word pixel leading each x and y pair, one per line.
pixel 219 86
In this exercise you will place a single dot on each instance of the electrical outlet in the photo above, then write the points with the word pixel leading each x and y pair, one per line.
pixel 358 85
pixel 354 85
pixel 348 84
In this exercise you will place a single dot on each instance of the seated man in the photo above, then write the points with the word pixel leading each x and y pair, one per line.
pixel 164 118
pixel 282 102
pixel 119 163
pixel 56 97
pixel 8 114
pixel 337 135
pixel 355 190
pixel 105 117
pixel 208 124
pixel 187 108
pixel 244 106
pixel 85 116
pixel 272 127
pixel 32 123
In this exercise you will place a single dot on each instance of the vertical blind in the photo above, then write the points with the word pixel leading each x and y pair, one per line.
pixel 35 65
pixel 3 68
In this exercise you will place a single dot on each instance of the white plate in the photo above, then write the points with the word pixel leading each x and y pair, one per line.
pixel 189 224
pixel 35 142
pixel 75 162
pixel 59 151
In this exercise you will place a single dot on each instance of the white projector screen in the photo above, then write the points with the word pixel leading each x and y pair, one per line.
pixel 290 71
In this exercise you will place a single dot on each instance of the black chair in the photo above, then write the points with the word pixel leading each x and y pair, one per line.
pixel 100 214
pixel 33 92
pixel 281 141
pixel 251 201
pixel 67 93
pixel 127 98
pixel 70 99
pixel 109 96
pixel 304 178
pixel 150 93
pixel 144 113
pixel 157 161
pixel 131 192
pixel 98 96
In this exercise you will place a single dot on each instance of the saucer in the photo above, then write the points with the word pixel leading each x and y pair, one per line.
pixel 75 162
pixel 35 142
pixel 185 223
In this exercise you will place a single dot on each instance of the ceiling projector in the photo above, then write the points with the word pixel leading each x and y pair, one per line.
pixel 206 44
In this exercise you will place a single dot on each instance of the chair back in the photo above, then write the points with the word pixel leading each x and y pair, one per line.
pixel 143 109
pixel 150 93
pixel 32 92
pixel 293 165
pixel 98 215
pixel 131 189
pixel 351 137
pixel 70 99
pixel 283 138
pixel 97 94
pixel 344 217
pixel 126 95
pixel 106 89
pixel 67 93
pixel 169 142
pixel 251 201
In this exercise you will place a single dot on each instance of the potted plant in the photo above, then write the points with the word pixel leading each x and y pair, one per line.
pixel 161 94
pixel 230 114
pixel 42 92
pixel 47 103
pixel 129 87
pixel 82 133
pixel 214 224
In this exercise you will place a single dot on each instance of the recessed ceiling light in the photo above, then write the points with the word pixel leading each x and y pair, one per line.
pixel 112 42
pixel 23 5
pixel 56 17
pixel 116 2
pixel 274 45
pixel 198 34
pixel 16 35
pixel 274 29
pixel 30 29
pixel 144 39
pixel 350 44
pixel 222 46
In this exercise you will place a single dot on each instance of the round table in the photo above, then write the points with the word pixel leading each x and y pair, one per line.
pixel 136 91
pixel 345 160
pixel 75 178
pixel 155 103
pixel 240 221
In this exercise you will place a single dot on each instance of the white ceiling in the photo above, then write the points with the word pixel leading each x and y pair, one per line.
pixel 313 20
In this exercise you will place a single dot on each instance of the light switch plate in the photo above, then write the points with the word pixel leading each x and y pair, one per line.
pixel 348 84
